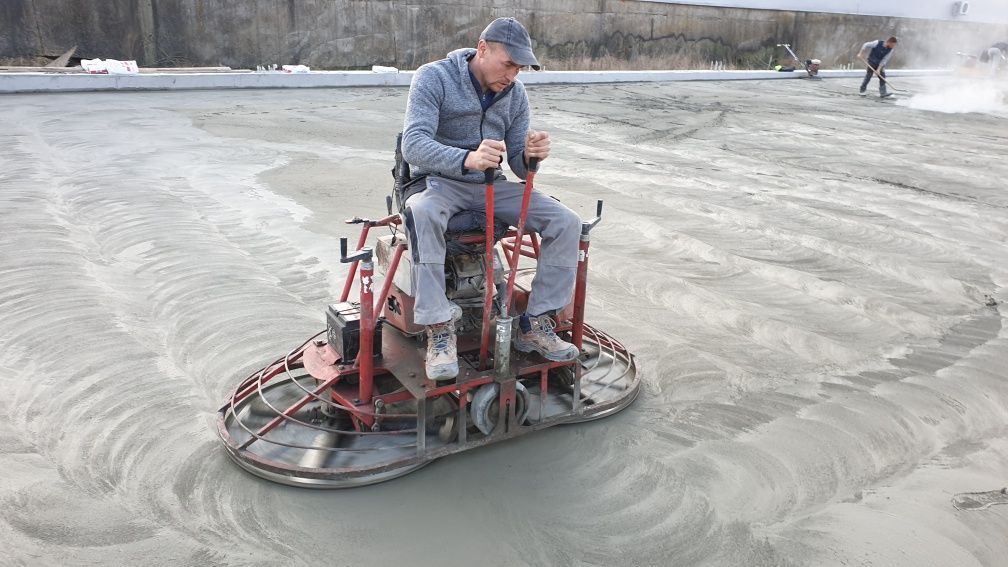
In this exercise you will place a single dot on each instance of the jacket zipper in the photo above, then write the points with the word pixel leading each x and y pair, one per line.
pixel 499 96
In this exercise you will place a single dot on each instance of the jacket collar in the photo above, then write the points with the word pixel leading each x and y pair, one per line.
pixel 461 58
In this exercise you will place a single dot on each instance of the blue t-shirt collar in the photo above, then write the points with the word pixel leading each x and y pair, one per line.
pixel 485 98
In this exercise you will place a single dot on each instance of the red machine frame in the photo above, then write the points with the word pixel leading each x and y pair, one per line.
pixel 350 388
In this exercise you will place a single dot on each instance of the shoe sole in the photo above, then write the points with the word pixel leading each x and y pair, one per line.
pixel 442 372
pixel 563 356
pixel 441 376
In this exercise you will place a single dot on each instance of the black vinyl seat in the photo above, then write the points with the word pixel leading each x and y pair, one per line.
pixel 465 228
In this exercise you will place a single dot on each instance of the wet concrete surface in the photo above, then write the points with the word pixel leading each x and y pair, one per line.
pixel 804 275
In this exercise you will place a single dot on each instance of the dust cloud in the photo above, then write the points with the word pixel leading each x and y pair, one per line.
pixel 978 94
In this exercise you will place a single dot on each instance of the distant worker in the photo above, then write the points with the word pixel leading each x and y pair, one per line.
pixel 996 55
pixel 879 52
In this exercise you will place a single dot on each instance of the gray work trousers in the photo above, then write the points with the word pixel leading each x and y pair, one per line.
pixel 869 74
pixel 559 229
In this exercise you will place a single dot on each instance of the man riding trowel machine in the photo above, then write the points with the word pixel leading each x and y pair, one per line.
pixel 353 404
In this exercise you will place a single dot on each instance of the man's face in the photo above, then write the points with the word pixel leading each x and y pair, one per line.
pixel 890 44
pixel 499 71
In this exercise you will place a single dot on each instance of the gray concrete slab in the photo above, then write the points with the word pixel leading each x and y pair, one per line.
pixel 810 281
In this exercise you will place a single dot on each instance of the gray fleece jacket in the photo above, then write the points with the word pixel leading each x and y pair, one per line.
pixel 445 120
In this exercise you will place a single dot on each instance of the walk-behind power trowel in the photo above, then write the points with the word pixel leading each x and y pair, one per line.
pixel 811 66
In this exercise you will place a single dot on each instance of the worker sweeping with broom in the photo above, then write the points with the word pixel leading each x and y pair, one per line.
pixel 878 53
pixel 995 55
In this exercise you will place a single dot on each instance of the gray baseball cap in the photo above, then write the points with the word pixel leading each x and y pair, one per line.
pixel 515 38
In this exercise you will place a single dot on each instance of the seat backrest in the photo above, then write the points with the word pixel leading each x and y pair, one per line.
pixel 462 223
pixel 400 175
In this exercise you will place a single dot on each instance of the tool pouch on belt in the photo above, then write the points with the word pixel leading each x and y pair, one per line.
pixel 404 186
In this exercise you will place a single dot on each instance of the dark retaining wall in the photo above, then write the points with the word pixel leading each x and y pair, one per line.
pixel 340 34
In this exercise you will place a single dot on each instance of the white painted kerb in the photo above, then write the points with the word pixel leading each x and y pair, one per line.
pixel 46 82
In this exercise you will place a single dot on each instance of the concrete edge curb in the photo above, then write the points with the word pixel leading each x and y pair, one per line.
pixel 53 83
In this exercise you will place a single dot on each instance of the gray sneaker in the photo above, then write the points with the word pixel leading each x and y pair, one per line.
pixel 442 356
pixel 542 339
pixel 863 93
pixel 888 95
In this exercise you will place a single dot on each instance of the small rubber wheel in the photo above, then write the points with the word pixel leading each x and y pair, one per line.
pixel 486 405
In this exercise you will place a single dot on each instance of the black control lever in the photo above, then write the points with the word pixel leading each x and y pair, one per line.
pixel 388 203
pixel 533 164
pixel 588 225
pixel 363 254
pixel 488 175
